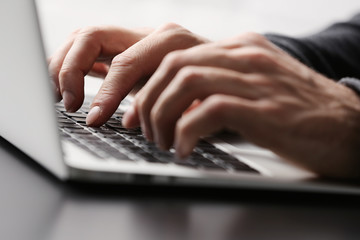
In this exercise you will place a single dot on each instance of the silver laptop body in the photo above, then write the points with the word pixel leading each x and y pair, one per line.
pixel 30 122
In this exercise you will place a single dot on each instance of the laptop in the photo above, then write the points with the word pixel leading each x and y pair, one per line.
pixel 63 144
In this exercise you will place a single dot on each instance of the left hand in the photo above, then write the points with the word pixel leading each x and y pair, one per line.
pixel 249 85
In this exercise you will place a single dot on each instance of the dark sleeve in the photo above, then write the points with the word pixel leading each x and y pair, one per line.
pixel 334 52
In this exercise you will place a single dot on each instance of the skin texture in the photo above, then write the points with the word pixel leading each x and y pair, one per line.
pixel 196 87
pixel 124 57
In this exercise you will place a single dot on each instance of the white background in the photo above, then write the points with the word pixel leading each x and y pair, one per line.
pixel 215 19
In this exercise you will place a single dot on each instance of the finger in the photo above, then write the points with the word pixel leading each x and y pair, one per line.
pixel 167 70
pixel 55 62
pixel 133 121
pixel 90 45
pixel 135 63
pixel 215 113
pixel 245 60
pixel 192 83
pixel 77 63
pixel 117 35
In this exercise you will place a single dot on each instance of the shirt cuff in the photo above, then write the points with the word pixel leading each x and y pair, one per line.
pixel 352 83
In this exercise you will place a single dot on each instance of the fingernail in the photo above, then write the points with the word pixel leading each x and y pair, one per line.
pixel 93 115
pixel 69 99
pixel 127 116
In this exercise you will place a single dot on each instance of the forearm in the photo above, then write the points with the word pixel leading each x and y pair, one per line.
pixel 334 52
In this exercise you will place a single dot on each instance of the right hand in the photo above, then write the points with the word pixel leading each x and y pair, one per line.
pixel 123 57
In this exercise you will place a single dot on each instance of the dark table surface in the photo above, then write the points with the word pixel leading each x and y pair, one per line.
pixel 35 206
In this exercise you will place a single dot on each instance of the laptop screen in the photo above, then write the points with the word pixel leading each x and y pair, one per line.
pixel 28 118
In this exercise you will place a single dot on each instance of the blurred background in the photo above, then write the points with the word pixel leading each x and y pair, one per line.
pixel 214 19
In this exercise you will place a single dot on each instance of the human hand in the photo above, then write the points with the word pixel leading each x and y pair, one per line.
pixel 123 57
pixel 249 85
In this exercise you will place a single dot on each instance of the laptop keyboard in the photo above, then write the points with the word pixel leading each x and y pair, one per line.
pixel 113 140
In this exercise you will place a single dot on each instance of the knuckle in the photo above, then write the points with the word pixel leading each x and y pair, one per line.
pixel 175 33
pixel 173 59
pixel 253 38
pixel 75 32
pixel 270 108
pixel 256 53
pixel 124 60
pixel 261 81
pixel 90 32
pixel 187 77
pixel 169 26
pixel 217 107
pixel 259 57
pixel 89 36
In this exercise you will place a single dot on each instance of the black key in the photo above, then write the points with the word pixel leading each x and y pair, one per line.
pixel 134 149
pixel 214 151
pixel 204 144
pixel 80 119
pixel 91 138
pixel 186 163
pixel 148 157
pixel 123 144
pixel 212 166
pixel 116 125
pixel 228 158
pixel 65 121
pixel 78 131
pixel 165 156
pixel 76 114
pixel 62 117
pixel 60 108
pixel 107 132
pixel 113 121
pixel 74 129
pixel 199 159
pixel 68 124
pixel 117 137
pixel 240 166
pixel 149 147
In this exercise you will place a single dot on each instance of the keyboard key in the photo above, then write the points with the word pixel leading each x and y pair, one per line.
pixel 201 160
pixel 76 114
pixel 186 163
pixel 79 119
pixel 148 157
pixel 212 166
pixel 240 166
pixel 77 131
pixel 65 120
pixel 113 140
